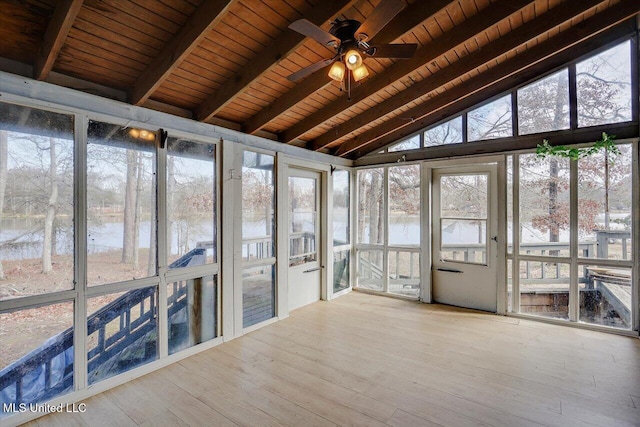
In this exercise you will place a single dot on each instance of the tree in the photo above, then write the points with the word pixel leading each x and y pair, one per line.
pixel 49 241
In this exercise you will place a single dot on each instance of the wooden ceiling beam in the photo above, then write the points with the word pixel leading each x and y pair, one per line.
pixel 449 40
pixel 406 20
pixel 206 16
pixel 55 35
pixel 541 59
pixel 288 41
pixel 526 32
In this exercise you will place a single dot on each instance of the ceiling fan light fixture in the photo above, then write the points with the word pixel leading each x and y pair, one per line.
pixel 360 73
pixel 337 70
pixel 353 59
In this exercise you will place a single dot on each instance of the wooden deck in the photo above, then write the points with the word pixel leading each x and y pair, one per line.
pixel 372 361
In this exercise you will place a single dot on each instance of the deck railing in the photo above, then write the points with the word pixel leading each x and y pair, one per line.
pixel 48 370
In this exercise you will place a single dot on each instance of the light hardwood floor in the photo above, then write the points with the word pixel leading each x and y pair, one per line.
pixel 372 361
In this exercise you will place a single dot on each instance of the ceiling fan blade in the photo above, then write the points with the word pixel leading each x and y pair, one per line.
pixel 298 75
pixel 392 50
pixel 309 29
pixel 381 15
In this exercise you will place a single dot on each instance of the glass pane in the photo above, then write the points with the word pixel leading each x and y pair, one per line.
pixel 509 204
pixel 604 87
pixel 258 294
pixel 36 201
pixel 370 269
pixel 404 273
pixel 341 270
pixel 604 205
pixel 36 355
pixel 605 296
pixel 446 133
pixel 122 332
pixel 490 121
pixel 404 205
pixel 191 203
pixel 544 289
pixel 509 285
pixel 544 105
pixel 412 143
pixel 371 206
pixel 464 196
pixel 258 206
pixel 303 214
pixel 192 312
pixel 341 192
pixel 121 207
pixel 544 205
pixel 463 240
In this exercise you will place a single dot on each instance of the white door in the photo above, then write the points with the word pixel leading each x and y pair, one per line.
pixel 465 224
pixel 304 234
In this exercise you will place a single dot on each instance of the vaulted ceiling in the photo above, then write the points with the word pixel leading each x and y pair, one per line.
pixel 227 62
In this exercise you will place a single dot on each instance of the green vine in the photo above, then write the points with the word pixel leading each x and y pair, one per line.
pixel 545 149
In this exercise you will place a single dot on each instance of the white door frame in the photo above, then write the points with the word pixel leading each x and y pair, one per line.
pixel 285 162
pixel 501 213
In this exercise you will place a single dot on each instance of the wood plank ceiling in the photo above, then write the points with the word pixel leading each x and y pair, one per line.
pixel 227 61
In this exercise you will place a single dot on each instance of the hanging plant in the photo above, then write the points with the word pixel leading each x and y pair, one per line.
pixel 606 143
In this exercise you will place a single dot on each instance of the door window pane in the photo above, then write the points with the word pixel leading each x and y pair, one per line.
pixel 492 120
pixel 36 201
pixel 371 206
pixel 605 296
pixel 463 211
pixel 604 87
pixel 544 105
pixel 192 312
pixel 404 273
pixel 122 332
pixel 447 133
pixel 258 204
pixel 544 289
pixel 463 240
pixel 341 205
pixel 544 206
pixel 370 269
pixel 341 270
pixel 464 196
pixel 404 205
pixel 191 203
pixel 36 354
pixel 121 203
pixel 258 294
pixel 303 216
pixel 604 205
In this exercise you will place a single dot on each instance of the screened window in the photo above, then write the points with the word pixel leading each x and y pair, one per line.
pixel 341 205
pixel 36 201
pixel 258 242
pixel 544 105
pixel 544 206
pixel 122 332
pixel 191 203
pixel 371 206
pixel 490 121
pixel 446 133
pixel 121 203
pixel 604 87
pixel 404 205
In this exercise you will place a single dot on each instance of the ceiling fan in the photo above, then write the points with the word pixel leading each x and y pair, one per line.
pixel 349 38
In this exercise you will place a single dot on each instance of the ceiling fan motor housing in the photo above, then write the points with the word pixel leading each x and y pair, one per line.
pixel 345 30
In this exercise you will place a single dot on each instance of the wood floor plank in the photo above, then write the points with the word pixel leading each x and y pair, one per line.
pixel 365 360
